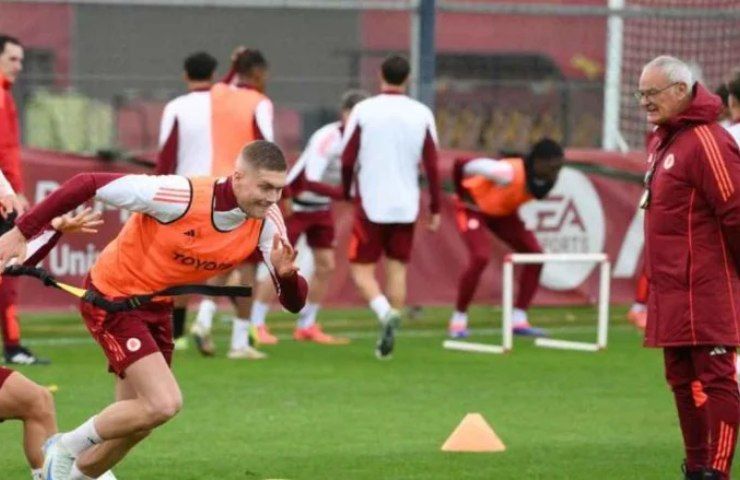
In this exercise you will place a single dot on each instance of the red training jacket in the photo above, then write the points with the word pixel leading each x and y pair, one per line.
pixel 692 230
pixel 10 138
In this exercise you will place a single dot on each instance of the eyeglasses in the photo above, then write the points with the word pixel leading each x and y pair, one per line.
pixel 639 95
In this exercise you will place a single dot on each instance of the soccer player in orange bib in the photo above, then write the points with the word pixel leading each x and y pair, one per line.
pixel 183 231
pixel 489 193
pixel 239 112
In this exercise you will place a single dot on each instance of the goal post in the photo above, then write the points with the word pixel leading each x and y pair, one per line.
pixel 507 304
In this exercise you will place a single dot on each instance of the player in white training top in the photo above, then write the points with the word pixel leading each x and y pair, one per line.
pixel 313 182
pixel 185 146
pixel 386 139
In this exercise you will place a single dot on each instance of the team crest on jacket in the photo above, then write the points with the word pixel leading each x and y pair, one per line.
pixel 133 344
pixel 669 161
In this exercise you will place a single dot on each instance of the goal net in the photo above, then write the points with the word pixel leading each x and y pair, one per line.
pixel 710 44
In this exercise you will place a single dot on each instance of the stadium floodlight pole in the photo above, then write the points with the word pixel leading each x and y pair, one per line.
pixel 423 60
pixel 613 77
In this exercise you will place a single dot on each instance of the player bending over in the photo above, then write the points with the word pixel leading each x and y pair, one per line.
pixel 489 193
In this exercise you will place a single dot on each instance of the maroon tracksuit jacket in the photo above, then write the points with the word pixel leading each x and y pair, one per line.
pixel 692 230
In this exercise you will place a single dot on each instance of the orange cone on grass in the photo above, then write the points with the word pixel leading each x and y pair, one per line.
pixel 473 434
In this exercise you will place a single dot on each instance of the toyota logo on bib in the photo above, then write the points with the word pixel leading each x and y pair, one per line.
pixel 133 344
pixel 569 220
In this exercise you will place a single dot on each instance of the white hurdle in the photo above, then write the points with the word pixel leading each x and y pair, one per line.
pixel 507 304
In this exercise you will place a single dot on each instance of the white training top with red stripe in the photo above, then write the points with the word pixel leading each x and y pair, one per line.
pixel 186 133
pixel 319 162
pixel 167 198
pixel 188 117
pixel 391 129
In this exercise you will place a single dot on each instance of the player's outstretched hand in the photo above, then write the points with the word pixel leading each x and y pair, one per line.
pixel 9 204
pixel 283 257
pixel 12 246
pixel 86 221
pixel 434 221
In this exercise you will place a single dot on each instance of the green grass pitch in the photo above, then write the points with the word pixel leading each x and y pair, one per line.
pixel 336 413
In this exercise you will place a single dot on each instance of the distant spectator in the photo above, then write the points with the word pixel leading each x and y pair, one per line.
pixel 11 65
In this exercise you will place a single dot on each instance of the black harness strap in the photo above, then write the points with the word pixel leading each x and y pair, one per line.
pixel 126 303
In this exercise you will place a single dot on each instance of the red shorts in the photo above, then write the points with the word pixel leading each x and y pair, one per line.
pixel 318 227
pixel 4 374
pixel 129 336
pixel 370 240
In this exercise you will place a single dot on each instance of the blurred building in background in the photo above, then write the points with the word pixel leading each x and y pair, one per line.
pixel 98 73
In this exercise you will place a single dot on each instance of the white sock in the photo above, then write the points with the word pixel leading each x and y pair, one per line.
pixel 81 438
pixel 459 319
pixel 518 317
pixel 638 307
pixel 206 311
pixel 307 315
pixel 37 474
pixel 259 313
pixel 380 306
pixel 76 474
pixel 239 334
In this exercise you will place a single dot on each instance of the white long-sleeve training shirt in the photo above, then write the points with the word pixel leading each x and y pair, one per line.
pixel 321 161
pixel 385 140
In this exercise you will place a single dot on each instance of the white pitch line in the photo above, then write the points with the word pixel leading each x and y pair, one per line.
pixel 355 335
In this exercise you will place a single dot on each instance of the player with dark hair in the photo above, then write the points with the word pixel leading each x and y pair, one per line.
pixel 239 112
pixel 489 193
pixel 386 139
pixel 314 181
pixel 11 66
pixel 199 67
pixel 185 147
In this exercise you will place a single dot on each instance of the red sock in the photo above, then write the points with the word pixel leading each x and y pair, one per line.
pixel 8 319
pixel 528 283
pixel 469 282
pixel 642 290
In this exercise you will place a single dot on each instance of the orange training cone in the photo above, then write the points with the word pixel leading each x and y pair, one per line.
pixel 473 435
